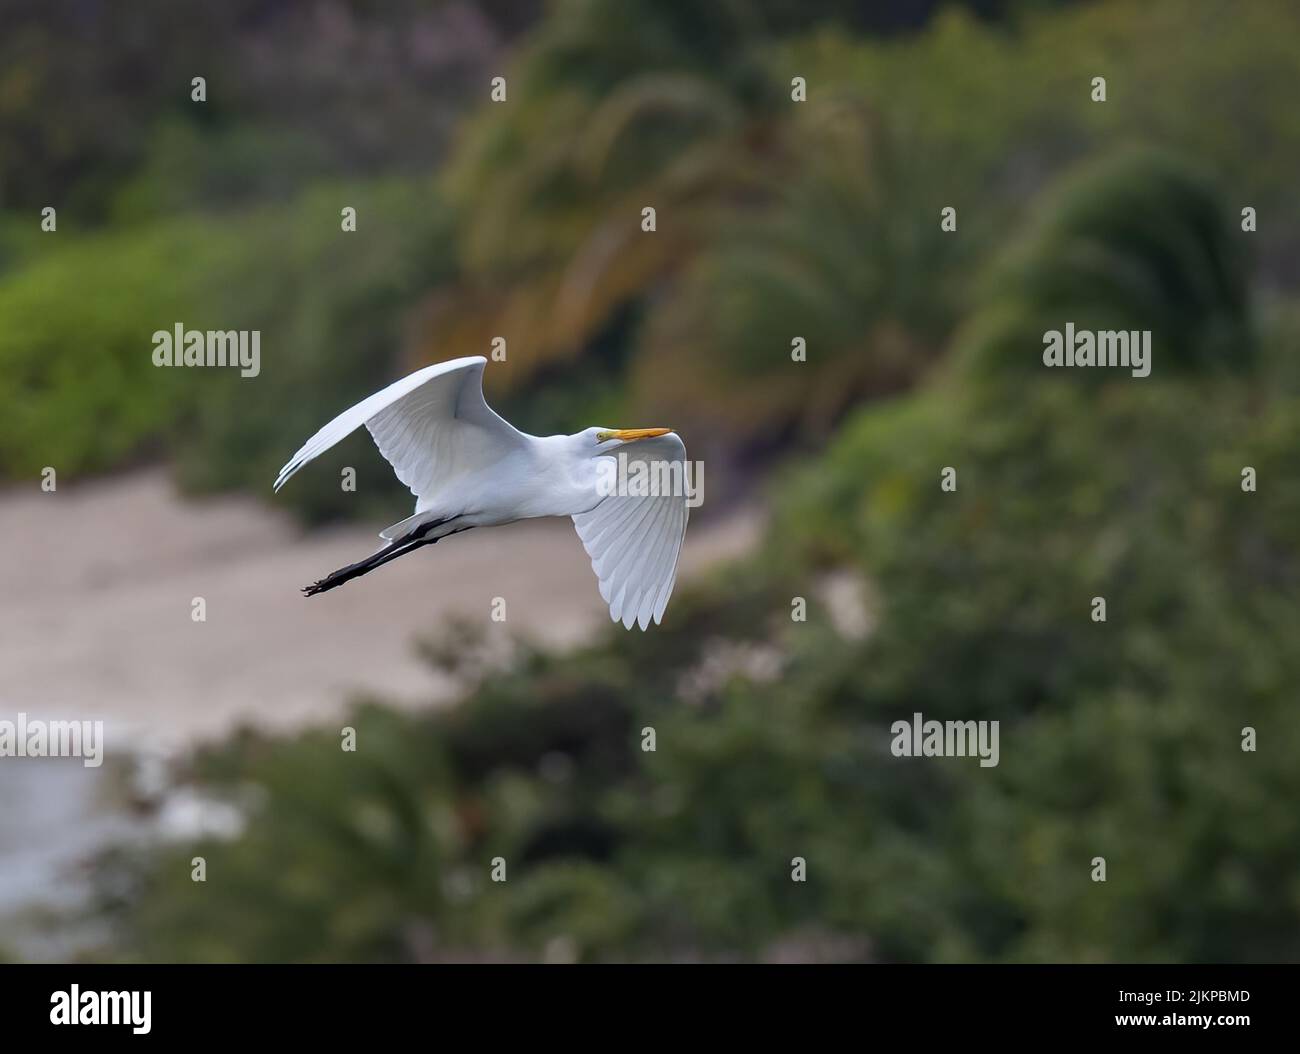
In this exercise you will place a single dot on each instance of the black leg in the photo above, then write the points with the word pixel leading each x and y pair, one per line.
pixel 398 547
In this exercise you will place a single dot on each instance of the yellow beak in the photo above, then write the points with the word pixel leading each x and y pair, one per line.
pixel 627 435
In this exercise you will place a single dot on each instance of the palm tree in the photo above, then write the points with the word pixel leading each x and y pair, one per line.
pixel 612 107
pixel 848 253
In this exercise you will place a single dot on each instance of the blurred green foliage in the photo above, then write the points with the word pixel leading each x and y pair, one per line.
pixel 1137 241
pixel 96 114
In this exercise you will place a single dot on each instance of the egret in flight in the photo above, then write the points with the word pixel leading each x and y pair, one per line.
pixel 467 467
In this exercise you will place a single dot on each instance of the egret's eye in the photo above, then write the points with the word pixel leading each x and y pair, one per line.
pixel 602 436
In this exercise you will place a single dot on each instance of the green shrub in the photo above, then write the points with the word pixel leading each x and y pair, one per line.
pixel 82 394
pixel 1139 241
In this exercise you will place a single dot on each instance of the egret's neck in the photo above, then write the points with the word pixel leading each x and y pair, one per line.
pixel 566 473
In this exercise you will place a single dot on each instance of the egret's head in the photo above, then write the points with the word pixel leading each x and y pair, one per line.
pixel 607 439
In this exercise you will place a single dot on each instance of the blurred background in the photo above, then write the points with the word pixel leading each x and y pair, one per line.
pixel 776 219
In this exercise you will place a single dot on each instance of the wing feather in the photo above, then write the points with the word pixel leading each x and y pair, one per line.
pixel 634 541
pixel 431 426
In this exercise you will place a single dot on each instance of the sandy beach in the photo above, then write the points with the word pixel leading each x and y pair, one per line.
pixel 99 582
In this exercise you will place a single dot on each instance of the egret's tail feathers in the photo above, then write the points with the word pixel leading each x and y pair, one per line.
pixel 422 535
pixel 409 526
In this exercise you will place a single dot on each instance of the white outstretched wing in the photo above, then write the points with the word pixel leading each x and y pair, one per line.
pixel 431 426
pixel 633 540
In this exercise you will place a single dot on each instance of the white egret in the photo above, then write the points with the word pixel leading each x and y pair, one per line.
pixel 467 467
